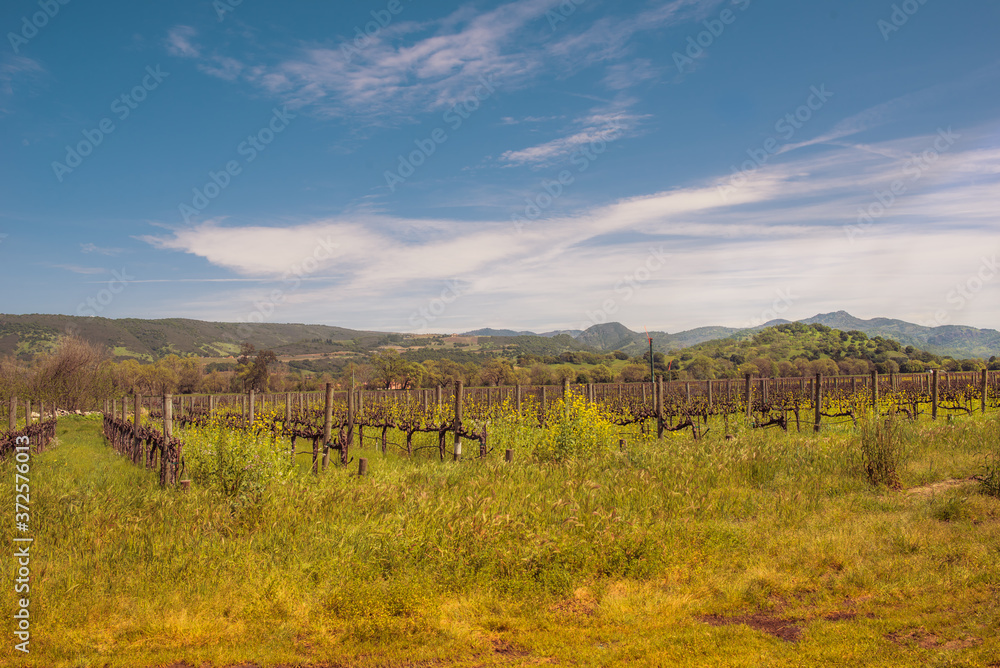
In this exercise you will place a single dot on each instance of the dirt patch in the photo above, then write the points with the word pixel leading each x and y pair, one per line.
pixel 927 640
pixel 582 603
pixel 840 616
pixel 943 486
pixel 506 648
pixel 785 629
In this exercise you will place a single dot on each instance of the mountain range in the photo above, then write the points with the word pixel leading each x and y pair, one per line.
pixel 150 339
pixel 955 341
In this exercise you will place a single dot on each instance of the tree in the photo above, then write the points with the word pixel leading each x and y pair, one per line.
pixel 701 367
pixel 635 373
pixel 253 367
pixel 497 372
pixel 73 375
pixel 565 372
pixel 764 366
pixel 540 374
pixel 602 374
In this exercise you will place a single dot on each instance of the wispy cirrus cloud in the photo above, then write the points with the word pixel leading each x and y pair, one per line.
pixel 18 72
pixel 410 67
pixel 784 229
pixel 77 269
pixel 93 248
pixel 180 42
pixel 596 128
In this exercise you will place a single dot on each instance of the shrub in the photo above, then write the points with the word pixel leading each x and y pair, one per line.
pixel 573 429
pixel 881 449
pixel 990 479
pixel 239 463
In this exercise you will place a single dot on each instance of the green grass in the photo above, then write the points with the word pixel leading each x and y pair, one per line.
pixel 613 559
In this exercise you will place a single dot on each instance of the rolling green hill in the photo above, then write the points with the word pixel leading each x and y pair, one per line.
pixel 24 335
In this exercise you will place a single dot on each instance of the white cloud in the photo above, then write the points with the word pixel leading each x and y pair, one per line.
pixel 19 75
pixel 77 269
pixel 597 129
pixel 785 229
pixel 408 68
pixel 93 248
pixel 179 42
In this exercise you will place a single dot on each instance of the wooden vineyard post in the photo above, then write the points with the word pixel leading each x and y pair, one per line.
pixel 517 398
pixel 439 396
pixel 27 413
pixel 168 432
pixel 250 400
pixel 875 392
pixel 12 416
pixel 748 395
pixel 544 407
pixel 565 397
pixel 659 407
pixel 362 467
pixel 350 427
pixel 984 386
pixel 137 451
pixel 457 453
pixel 817 400
pixel 288 408
pixel 327 426
pixel 687 394
pixel 934 393
pixel 709 383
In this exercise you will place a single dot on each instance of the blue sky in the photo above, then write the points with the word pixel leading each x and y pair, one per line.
pixel 441 166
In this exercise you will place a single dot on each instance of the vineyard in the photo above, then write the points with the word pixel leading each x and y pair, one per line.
pixel 541 421
pixel 567 526
pixel 39 431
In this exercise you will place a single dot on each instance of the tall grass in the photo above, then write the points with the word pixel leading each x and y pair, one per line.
pixel 576 552
pixel 881 447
